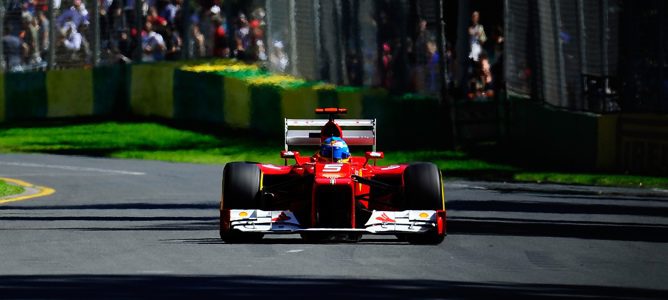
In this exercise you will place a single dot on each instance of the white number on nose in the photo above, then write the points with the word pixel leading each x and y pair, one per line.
pixel 332 168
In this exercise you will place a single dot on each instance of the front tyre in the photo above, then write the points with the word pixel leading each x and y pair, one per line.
pixel 423 190
pixel 241 190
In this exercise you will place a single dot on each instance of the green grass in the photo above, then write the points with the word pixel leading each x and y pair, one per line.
pixel 9 189
pixel 143 140
pixel 134 140
pixel 593 179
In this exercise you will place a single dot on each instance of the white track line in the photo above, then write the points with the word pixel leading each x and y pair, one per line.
pixel 70 168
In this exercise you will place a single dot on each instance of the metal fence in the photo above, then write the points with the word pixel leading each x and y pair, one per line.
pixel 357 42
pixel 391 44
pixel 569 53
pixel 589 55
pixel 55 34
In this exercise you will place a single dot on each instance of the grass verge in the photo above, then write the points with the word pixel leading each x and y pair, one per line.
pixel 143 140
pixel 593 179
pixel 7 189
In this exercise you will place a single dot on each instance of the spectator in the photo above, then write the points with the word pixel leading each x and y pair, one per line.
pixel 477 36
pixel 278 58
pixel 198 48
pixel 71 44
pixel 242 37
pixel 77 14
pixel 32 40
pixel 174 43
pixel 481 84
pixel 170 10
pixel 497 62
pixel 257 50
pixel 422 56
pixel 116 18
pixel 104 20
pixel 387 66
pixel 72 38
pixel 221 46
pixel 11 50
pixel 433 68
pixel 43 32
pixel 153 45
pixel 124 47
pixel 156 20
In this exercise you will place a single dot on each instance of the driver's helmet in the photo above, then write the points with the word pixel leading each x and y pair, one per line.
pixel 334 148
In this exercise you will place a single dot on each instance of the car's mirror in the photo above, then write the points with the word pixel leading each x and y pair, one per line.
pixel 289 154
pixel 374 155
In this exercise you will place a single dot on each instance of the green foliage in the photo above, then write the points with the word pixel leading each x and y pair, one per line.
pixel 159 142
pixel 594 179
pixel 9 189
pixel 134 140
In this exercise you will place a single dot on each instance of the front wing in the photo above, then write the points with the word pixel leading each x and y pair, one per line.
pixel 380 222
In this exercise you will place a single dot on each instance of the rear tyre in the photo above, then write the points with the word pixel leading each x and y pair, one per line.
pixel 423 188
pixel 241 190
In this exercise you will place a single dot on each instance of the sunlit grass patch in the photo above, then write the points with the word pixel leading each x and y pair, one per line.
pixel 594 179
pixel 151 141
pixel 7 189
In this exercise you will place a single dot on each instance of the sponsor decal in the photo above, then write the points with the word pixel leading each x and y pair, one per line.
pixel 281 217
pixel 392 167
pixel 385 219
pixel 271 167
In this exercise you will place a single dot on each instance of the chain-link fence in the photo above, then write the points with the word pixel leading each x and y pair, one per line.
pixel 591 55
pixel 567 53
pixel 392 44
pixel 55 34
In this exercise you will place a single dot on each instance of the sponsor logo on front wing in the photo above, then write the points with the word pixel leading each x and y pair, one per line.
pixel 385 218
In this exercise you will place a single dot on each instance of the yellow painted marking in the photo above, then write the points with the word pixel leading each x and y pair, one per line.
pixel 442 192
pixel 261 180
pixel 43 191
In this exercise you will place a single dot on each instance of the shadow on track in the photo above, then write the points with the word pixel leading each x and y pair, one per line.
pixel 635 195
pixel 295 240
pixel 558 208
pixel 568 229
pixel 120 206
pixel 264 287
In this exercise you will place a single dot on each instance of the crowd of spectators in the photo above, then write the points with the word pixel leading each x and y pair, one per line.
pixel 166 30
pixel 25 35
pixel 484 62
pixel 161 32
pixel 412 62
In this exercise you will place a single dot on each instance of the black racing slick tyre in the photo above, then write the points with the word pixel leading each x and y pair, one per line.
pixel 423 189
pixel 241 190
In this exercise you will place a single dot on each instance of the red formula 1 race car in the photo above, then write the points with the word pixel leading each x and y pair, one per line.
pixel 332 195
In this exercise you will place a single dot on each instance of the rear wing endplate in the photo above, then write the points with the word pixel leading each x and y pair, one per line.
pixel 306 132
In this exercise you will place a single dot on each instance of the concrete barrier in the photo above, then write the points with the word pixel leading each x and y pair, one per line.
pixel 111 90
pixel 199 97
pixel 25 96
pixel 606 142
pixel 2 98
pixel 236 107
pixel 265 109
pixel 69 93
pixel 152 90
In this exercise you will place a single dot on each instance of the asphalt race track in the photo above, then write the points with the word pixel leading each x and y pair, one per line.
pixel 139 229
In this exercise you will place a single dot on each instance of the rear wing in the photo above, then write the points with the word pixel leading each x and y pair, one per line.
pixel 306 132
